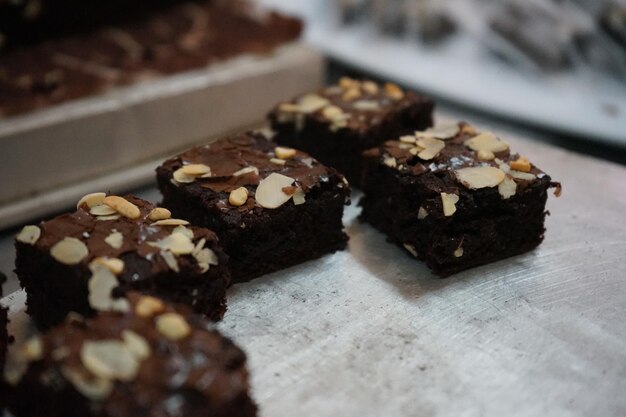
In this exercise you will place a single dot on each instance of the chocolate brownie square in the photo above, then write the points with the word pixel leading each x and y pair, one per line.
pixel 113 243
pixel 272 207
pixel 155 359
pixel 338 123
pixel 455 198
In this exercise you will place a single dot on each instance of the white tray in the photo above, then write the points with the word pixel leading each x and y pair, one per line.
pixel 370 332
pixel 50 157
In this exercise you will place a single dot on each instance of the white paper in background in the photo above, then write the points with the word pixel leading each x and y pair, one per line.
pixel 370 332
pixel 582 103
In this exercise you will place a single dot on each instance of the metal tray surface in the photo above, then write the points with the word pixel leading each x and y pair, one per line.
pixel 371 332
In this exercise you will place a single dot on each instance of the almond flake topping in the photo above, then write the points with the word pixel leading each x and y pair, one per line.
pixel 115 265
pixel 173 326
pixel 390 161
pixel 526 176
pixel 122 206
pixel 480 177
pixel 282 152
pixel 69 251
pixel 393 91
pixel 148 306
pixel 278 161
pixel 238 197
pixel 449 203
pixel 159 213
pixel 171 222
pixel 176 243
pixel 366 105
pixel 137 344
pixel 431 147
pixel 299 197
pixel 410 249
pixel 101 284
pixel 182 178
pixel 90 386
pixel 270 194
pixel 93 199
pixel 109 359
pixel 486 142
pixel 370 87
pixel 195 170
pixel 507 188
pixel 310 103
pixel 246 170
pixel 521 164
pixel 102 210
pixel 115 240
pixel 443 131
pixel 29 235
pixel 422 213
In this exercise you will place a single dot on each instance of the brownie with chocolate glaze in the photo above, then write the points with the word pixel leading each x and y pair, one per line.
pixel 455 198
pixel 154 359
pixel 113 243
pixel 272 207
pixel 338 123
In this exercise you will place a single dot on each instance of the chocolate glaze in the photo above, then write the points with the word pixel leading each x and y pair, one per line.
pixel 227 156
pixel 204 369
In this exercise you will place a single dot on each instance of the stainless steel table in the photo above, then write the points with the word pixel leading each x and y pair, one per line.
pixel 370 332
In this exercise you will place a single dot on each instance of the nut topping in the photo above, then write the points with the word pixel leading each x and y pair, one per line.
pixel 393 91
pixel 148 306
pixel 431 147
pixel 195 170
pixel 69 251
pixel 521 164
pixel 449 203
pixel 136 344
pixel 269 192
pixel 109 359
pixel 487 142
pixel 410 249
pixel 101 210
pixel 310 103
pixel 507 188
pixel 299 197
pixel 238 197
pixel 173 326
pixel 282 152
pixel 458 252
pixel 115 240
pixel 182 178
pixel 93 199
pixel 114 265
pixel 101 284
pixel 122 206
pixel 278 161
pixel 246 170
pixel 484 155
pixel 171 222
pixel 390 161
pixel 480 177
pixel 159 213
pixel 370 87
pixel 176 243
pixel 422 213
pixel 29 235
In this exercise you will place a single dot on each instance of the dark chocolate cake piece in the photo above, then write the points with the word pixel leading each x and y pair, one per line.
pixel 272 207
pixel 155 359
pixel 112 243
pixel 336 124
pixel 455 198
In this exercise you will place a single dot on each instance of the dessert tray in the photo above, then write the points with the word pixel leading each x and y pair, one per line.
pixel 369 331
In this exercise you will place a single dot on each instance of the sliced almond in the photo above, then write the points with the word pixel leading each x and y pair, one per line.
pixel 442 131
pixel 410 249
pixel 526 176
pixel 480 177
pixel 269 193
pixel 311 103
pixel 177 243
pixel 370 87
pixel 148 306
pixel 238 197
pixel 136 344
pixel 431 147
pixel 115 265
pixel 69 251
pixel 366 105
pixel 299 197
pixel 207 256
pixel 278 161
pixel 351 94
pixel 171 222
pixel 347 82
pixel 173 326
pixel 170 260
pixel 182 178
pixel 100 286
pixel 410 139
pixel 507 188
pixel 521 164
pixel 195 170
pixel 393 91
pixel 102 210
pixel 91 200
pixel 449 203
pixel 458 252
pixel 29 235
pixel 486 142
pixel 109 359
pixel 246 170
pixel 183 230
pixel 332 112
pixel 159 213
pixel 107 218
pixel 122 206
pixel 115 240
pixel 422 213
pixel 390 161
pixel 484 155
pixel 32 350
pixel 282 152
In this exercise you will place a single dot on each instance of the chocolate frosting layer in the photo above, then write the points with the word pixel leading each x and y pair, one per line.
pixel 226 157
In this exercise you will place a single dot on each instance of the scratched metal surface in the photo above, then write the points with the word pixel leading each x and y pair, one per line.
pixel 370 332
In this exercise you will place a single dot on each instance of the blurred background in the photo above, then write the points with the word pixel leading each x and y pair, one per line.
pixel 94 94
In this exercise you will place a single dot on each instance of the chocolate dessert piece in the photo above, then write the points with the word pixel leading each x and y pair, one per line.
pixel 4 336
pixel 163 41
pixel 455 198
pixel 339 122
pixel 272 207
pixel 155 359
pixel 113 243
